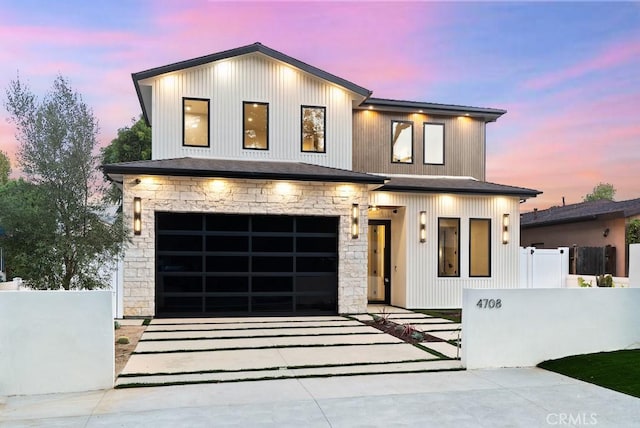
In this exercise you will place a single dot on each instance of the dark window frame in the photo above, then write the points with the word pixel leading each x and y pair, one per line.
pixel 457 219
pixel 184 99
pixel 324 128
pixel 244 104
pixel 412 142
pixel 487 220
pixel 424 142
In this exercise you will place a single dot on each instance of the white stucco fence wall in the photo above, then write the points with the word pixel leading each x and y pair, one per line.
pixel 534 325
pixel 55 341
pixel 634 265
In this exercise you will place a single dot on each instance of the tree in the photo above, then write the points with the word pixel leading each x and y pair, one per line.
pixel 633 232
pixel 601 191
pixel 5 167
pixel 132 144
pixel 57 137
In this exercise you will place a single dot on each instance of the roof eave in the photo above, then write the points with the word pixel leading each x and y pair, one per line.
pixel 417 189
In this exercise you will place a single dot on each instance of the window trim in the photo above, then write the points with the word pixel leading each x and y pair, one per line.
pixel 184 99
pixel 424 142
pixel 412 142
pixel 324 128
pixel 244 103
pixel 488 249
pixel 457 219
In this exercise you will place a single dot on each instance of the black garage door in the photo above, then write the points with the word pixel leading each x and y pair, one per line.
pixel 221 264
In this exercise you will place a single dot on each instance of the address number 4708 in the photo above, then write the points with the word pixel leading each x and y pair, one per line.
pixel 489 303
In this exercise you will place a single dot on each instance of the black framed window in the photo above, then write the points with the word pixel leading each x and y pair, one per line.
pixel 480 247
pixel 313 129
pixel 401 141
pixel 449 247
pixel 433 143
pixel 195 122
pixel 255 129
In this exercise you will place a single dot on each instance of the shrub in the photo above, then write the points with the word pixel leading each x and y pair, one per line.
pixel 123 340
pixel 116 325
pixel 583 283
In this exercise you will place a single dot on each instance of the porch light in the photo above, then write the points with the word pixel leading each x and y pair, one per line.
pixel 137 216
pixel 505 228
pixel 423 226
pixel 355 229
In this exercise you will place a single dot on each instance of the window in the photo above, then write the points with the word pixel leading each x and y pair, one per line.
pixel 255 117
pixel 433 136
pixel 448 247
pixel 401 141
pixel 313 129
pixel 195 122
pixel 479 247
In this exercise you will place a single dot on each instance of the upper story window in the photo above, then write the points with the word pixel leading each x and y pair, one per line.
pixel 255 118
pixel 433 136
pixel 401 141
pixel 313 129
pixel 195 122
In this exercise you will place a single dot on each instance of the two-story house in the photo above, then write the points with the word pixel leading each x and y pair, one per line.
pixel 278 188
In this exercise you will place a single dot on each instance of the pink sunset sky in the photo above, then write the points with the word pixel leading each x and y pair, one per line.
pixel 567 73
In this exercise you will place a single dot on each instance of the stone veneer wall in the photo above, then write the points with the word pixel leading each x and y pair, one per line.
pixel 207 195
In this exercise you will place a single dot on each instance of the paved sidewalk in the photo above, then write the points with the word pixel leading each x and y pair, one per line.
pixel 527 397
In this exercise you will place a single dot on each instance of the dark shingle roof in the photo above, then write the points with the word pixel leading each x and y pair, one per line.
pixel 581 212
pixel 197 167
pixel 488 114
pixel 453 185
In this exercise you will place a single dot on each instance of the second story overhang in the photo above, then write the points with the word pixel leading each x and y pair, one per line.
pixel 483 113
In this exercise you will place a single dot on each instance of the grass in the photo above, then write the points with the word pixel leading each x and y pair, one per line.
pixel 617 370
pixel 454 315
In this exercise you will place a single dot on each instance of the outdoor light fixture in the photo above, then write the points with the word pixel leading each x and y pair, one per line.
pixel 505 228
pixel 423 226
pixel 355 213
pixel 137 216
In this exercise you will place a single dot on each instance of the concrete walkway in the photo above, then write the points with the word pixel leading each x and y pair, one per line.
pixel 184 351
pixel 528 397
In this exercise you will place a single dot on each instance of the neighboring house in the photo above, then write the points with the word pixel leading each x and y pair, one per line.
pixel 597 223
pixel 278 188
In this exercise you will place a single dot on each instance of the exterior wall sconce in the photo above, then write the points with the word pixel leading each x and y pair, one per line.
pixel 423 226
pixel 505 228
pixel 137 216
pixel 355 228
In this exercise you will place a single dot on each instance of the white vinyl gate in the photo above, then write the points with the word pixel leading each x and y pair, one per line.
pixel 543 268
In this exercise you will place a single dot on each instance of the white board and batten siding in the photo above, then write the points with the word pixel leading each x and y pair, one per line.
pixel 251 78
pixel 423 287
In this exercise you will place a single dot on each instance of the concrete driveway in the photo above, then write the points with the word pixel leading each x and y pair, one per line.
pixel 183 351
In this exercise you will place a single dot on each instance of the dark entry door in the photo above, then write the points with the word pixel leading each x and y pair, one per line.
pixel 222 264
pixel 379 264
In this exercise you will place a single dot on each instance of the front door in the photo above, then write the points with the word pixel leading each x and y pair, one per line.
pixel 379 270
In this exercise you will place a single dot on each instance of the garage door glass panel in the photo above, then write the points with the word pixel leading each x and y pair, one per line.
pixel 233 284
pixel 272 264
pixel 183 304
pixel 317 264
pixel 272 223
pixel 179 221
pixel 227 304
pixel 316 224
pixel 227 264
pixel 170 263
pixel 272 284
pixel 227 243
pixel 274 244
pixel 316 245
pixel 183 284
pixel 272 304
pixel 323 302
pixel 315 284
pixel 180 243
pixel 226 223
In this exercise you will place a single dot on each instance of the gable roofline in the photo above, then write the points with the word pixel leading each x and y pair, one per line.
pixel 488 114
pixel 243 50
pixel 582 211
